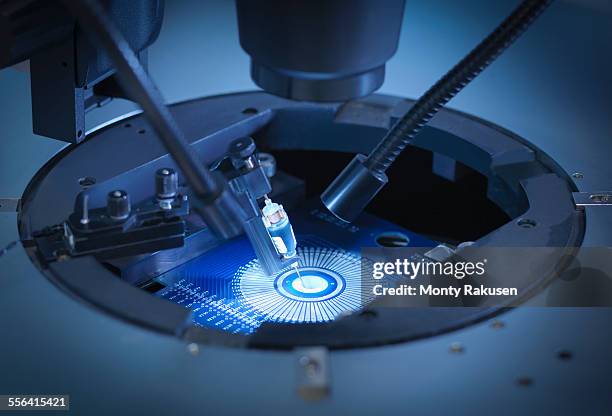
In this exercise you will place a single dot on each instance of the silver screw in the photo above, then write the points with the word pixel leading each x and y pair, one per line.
pixel 193 348
pixel 311 366
pixel 85 217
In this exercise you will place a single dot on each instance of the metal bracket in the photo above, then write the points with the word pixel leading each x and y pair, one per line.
pixel 58 109
pixel 313 373
pixel 584 199
pixel 10 204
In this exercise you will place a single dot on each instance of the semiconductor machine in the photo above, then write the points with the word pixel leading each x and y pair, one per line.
pixel 206 256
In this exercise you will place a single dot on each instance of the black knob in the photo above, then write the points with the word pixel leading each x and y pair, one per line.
pixel 166 183
pixel 118 205
pixel 242 148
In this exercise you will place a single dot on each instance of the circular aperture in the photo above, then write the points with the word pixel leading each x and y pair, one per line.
pixel 309 284
pixel 392 239
pixel 326 284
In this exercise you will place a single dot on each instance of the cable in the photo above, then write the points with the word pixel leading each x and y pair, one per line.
pixel 406 129
pixel 353 189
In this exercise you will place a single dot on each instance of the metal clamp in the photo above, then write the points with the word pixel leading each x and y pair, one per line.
pixel 313 372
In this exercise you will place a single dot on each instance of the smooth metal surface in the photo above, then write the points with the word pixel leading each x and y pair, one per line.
pixel 353 189
pixel 296 86
pixel 319 50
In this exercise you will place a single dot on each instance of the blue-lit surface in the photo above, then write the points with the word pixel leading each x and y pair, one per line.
pixel 310 283
pixel 287 298
pixel 226 288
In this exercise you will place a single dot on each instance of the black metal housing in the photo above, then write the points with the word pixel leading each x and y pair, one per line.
pixel 319 50
pixel 70 75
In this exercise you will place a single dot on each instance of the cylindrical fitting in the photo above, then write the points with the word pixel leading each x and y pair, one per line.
pixel 353 189
pixel 278 226
pixel 267 163
pixel 242 151
pixel 166 183
pixel 118 205
pixel 319 50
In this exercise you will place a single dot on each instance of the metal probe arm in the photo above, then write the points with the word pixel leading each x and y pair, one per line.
pixel 224 211
pixel 267 227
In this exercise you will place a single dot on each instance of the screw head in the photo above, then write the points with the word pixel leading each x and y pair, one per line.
pixel 242 148
pixel 193 348
pixel 166 183
pixel 118 205
pixel 87 181
pixel 310 365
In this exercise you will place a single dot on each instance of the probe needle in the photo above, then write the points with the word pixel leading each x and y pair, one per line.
pixel 297 270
